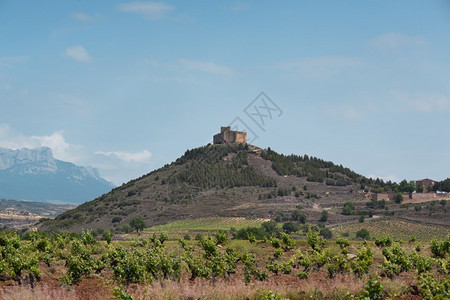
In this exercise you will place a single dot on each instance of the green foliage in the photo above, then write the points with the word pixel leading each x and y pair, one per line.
pixel 399 198
pixel 302 275
pixel 107 236
pixel 275 242
pixel 221 237
pixel 338 264
pixel 349 208
pixel 288 242
pixel 395 261
pixel 373 289
pixel 363 234
pixel 443 186
pixel 208 169
pixel 441 248
pixel 342 242
pixel 383 242
pixel 315 241
pixel 290 227
pixel 120 294
pixel 298 215
pixel 245 233
pixel 303 260
pixel 87 238
pixel 324 216
pixel 431 288
pixel 380 204
pixel 326 233
pixel 364 259
pixel 311 168
pixel 420 263
pixel 251 269
pixel 137 223
pixel 116 220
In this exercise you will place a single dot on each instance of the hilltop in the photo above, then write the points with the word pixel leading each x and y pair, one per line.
pixel 228 180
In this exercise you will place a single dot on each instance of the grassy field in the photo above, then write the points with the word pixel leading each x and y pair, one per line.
pixel 397 229
pixel 208 224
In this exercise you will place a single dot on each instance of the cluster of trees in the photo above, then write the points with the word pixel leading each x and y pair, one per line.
pixel 223 175
pixel 207 168
pixel 403 187
pixel 442 186
pixel 313 168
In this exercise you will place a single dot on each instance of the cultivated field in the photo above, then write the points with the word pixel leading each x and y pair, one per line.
pixel 69 266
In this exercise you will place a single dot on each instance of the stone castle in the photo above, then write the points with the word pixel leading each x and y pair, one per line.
pixel 226 135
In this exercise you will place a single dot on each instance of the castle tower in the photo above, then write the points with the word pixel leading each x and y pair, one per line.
pixel 227 135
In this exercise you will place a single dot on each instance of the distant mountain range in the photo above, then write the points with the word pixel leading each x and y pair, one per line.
pixel 35 175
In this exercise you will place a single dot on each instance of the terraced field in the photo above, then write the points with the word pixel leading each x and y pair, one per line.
pixel 208 224
pixel 397 229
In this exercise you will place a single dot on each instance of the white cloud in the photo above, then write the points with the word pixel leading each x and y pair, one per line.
pixel 116 166
pixel 60 147
pixel 78 53
pixel 423 102
pixel 344 112
pixel 320 67
pixel 239 6
pixel 7 61
pixel 395 42
pixel 205 66
pixel 138 157
pixel 84 17
pixel 148 10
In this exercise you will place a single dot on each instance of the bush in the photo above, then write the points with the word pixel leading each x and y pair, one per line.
pixel 289 227
pixel 326 233
pixel 399 198
pixel 298 215
pixel 349 208
pixel 372 290
pixel 221 237
pixel 363 234
pixel 244 233
pixel 382 242
pixel 116 220
pixel 315 241
pixel 324 216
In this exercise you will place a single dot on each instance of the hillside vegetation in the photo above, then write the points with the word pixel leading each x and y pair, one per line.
pixel 241 181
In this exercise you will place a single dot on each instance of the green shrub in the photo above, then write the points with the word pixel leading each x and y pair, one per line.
pixel 326 233
pixel 363 234
pixel 372 290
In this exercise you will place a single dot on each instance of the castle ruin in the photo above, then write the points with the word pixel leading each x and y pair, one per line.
pixel 226 135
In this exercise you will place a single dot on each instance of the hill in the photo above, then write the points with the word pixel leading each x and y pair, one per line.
pixel 35 175
pixel 237 180
pixel 24 214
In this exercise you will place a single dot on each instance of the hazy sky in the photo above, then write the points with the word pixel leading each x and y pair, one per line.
pixel 129 86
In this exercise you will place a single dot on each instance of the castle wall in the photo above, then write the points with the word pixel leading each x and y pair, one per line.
pixel 384 196
pixel 426 197
pixel 411 197
pixel 241 137
pixel 226 135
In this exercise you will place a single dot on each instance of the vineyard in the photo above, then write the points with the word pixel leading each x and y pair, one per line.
pixel 395 228
pixel 70 266
pixel 207 224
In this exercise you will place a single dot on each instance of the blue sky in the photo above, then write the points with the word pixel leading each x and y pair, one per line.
pixel 128 86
